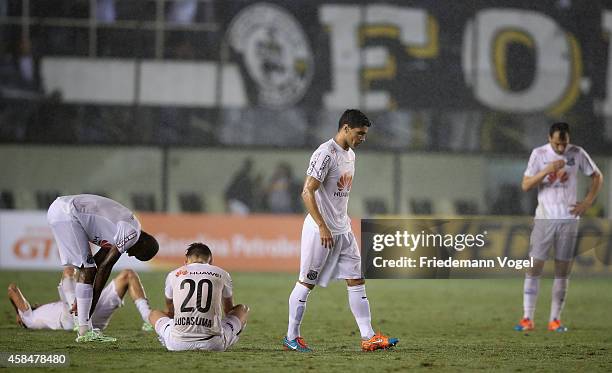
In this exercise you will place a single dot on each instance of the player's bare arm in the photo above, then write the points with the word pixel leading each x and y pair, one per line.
pixel 228 304
pixel 308 196
pixel 169 308
pixel 596 183
pixel 102 275
pixel 530 182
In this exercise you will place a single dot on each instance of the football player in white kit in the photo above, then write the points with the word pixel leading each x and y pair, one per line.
pixel 58 316
pixel 198 294
pixel 80 219
pixel 553 168
pixel 328 247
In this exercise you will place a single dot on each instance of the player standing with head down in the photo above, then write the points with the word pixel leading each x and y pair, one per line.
pixel 80 219
pixel 328 247
pixel 553 168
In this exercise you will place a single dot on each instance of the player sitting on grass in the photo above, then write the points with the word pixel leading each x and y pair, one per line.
pixel 196 295
pixel 58 316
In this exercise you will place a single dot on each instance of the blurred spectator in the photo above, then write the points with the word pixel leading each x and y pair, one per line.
pixel 239 194
pixel 106 12
pixel 183 11
pixel 282 194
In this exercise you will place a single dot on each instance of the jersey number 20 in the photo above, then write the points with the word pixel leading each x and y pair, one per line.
pixel 192 288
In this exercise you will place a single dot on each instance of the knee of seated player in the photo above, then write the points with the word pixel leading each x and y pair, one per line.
pixel 355 282
pixel 124 276
pixel 241 311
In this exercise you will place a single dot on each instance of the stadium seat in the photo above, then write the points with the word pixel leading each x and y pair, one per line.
pixel 375 206
pixel 420 206
pixel 7 200
pixel 191 202
pixel 466 207
pixel 44 198
pixel 143 201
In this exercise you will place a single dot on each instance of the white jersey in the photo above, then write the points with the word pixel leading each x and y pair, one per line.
pixel 106 222
pixel 557 195
pixel 197 290
pixel 334 167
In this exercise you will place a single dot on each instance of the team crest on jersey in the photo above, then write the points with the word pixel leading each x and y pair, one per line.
pixel 90 259
pixel 571 161
pixel 312 275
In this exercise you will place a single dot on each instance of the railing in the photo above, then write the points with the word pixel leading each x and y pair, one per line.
pixel 93 23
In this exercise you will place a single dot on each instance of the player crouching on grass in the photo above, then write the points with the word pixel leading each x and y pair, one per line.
pixel 80 219
pixel 329 247
pixel 58 316
pixel 197 295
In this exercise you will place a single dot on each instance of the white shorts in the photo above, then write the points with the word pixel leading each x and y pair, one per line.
pixel 107 304
pixel 57 316
pixel 319 265
pixel 560 233
pixel 230 325
pixel 71 239
pixel 54 316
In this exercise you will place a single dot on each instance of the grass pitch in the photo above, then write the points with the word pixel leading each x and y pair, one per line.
pixel 443 325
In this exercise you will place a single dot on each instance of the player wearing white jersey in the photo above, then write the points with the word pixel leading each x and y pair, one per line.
pixel 553 168
pixel 328 247
pixel 80 219
pixel 198 294
pixel 58 315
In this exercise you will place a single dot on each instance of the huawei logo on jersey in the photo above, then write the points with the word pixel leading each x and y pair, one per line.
pixel 344 185
pixel 181 272
pixel 561 175
pixel 345 182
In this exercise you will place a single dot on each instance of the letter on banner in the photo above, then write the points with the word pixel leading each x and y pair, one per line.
pixel 558 71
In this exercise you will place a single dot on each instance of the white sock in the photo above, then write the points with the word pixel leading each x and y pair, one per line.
pixel 360 306
pixel 297 306
pixel 143 307
pixel 68 288
pixel 84 297
pixel 559 290
pixel 531 289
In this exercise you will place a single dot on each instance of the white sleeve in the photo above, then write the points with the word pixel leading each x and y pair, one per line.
pixel 168 286
pixel 533 166
pixel 320 162
pixel 586 164
pixel 126 236
pixel 227 286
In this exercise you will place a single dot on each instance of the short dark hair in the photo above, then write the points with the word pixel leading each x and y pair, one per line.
pixel 354 118
pixel 563 129
pixel 198 249
pixel 145 248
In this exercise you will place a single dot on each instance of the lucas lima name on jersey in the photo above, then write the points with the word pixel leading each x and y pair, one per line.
pixel 196 291
pixel 334 167
pixel 558 192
